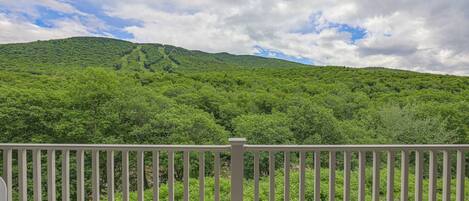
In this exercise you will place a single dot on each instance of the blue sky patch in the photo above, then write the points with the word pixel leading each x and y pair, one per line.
pixel 279 55
pixel 313 26
pixel 357 33
pixel 115 25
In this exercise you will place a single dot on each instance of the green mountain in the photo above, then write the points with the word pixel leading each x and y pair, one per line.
pixel 106 52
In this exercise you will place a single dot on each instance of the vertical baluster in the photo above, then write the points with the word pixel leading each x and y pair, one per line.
pixel 201 176
pixel 170 175
pixel 332 167
pixel 65 175
pixel 302 175
pixel 156 175
pixel 286 176
pixel 186 175
pixel 7 171
pixel 37 176
pixel 361 175
pixel 347 167
pixel 51 175
pixel 376 167
pixel 95 175
pixel 404 175
pixel 256 176
pixel 390 177
pixel 418 175
pixel 22 175
pixel 317 176
pixel 446 177
pixel 460 175
pixel 125 175
pixel 217 176
pixel 81 175
pixel 110 175
pixel 432 177
pixel 140 171
pixel 272 176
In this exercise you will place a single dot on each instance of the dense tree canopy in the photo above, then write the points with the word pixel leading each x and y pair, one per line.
pixel 301 105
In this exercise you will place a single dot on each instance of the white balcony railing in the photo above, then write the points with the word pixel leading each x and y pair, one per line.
pixel 15 160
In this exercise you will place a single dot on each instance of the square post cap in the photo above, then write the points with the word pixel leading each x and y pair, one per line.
pixel 237 141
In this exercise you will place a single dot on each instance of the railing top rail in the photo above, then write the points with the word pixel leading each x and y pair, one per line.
pixel 375 147
pixel 130 147
pixel 248 147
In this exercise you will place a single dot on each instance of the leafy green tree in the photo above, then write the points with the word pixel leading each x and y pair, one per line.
pixel 264 128
pixel 313 124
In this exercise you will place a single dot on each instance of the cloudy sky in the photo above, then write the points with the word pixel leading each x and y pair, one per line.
pixel 419 35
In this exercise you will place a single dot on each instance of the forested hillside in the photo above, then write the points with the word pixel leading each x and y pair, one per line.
pixel 95 90
pixel 118 54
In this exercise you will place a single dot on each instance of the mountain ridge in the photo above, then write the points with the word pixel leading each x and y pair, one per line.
pixel 88 51
pixel 121 54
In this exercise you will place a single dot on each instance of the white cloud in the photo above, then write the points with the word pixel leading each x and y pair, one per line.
pixel 20 31
pixel 29 7
pixel 428 36
pixel 17 25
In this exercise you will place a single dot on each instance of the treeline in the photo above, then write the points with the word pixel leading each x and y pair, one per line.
pixel 329 105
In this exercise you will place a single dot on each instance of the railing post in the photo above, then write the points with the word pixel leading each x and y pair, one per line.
pixel 237 168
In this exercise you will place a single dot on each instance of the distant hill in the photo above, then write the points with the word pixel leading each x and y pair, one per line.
pixel 119 54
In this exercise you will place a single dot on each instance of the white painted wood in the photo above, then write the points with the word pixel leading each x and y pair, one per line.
pixel 237 149
pixel 156 175
pixel 217 176
pixel 201 176
pixel 95 175
pixel 271 176
pixel 140 172
pixel 332 168
pixel 376 168
pixel 317 176
pixel 404 175
pixel 432 177
pixel 170 175
pixel 250 148
pixel 237 168
pixel 127 147
pixel 347 167
pixel 186 175
pixel 3 190
pixel 460 175
pixel 361 175
pixel 446 195
pixel 7 172
pixel 418 176
pixel 390 177
pixel 286 176
pixel 302 175
pixel 37 176
pixel 66 175
pixel 22 175
pixel 80 175
pixel 110 175
pixel 356 148
pixel 125 175
pixel 256 176
pixel 51 183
